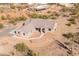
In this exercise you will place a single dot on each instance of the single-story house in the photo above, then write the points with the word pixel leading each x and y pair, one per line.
pixel 41 7
pixel 34 25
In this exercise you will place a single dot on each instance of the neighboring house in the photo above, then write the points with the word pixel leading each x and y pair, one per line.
pixel 37 7
pixel 34 25
pixel 41 7
pixel 67 4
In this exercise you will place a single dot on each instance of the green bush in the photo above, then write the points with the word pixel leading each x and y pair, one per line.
pixel 72 20
pixel 22 18
pixel 43 16
pixel 12 7
pixel 1 11
pixel 68 35
pixel 33 15
pixel 53 15
pixel 21 47
pixel 1 26
pixel 76 37
pixel 12 22
pixel 69 24
pixel 3 17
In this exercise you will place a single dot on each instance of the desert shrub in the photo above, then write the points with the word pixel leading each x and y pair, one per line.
pixel 76 37
pixel 21 47
pixel 3 17
pixel 43 16
pixel 68 24
pixel 67 43
pixel 51 3
pixel 68 35
pixel 1 26
pixel 72 20
pixel 53 17
pixel 66 9
pixel 12 7
pixel 55 13
pixel 16 19
pixel 33 15
pixel 72 39
pixel 22 18
pixel 48 11
pixel 12 22
pixel 19 7
pixel 1 11
pixel 31 53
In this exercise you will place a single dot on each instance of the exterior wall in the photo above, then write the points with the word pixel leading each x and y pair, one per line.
pixel 27 35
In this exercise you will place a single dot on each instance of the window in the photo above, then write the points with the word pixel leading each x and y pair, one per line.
pixel 15 32
pixel 43 30
pixel 18 32
pixel 38 29
pixel 23 24
pixel 49 29
pixel 23 34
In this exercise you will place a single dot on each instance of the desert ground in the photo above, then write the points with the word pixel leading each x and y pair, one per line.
pixel 50 44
